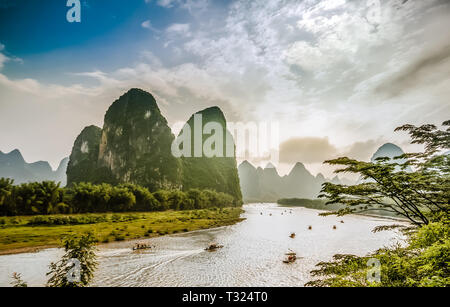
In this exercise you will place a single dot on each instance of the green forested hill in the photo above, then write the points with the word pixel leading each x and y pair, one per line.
pixel 216 173
pixel 135 146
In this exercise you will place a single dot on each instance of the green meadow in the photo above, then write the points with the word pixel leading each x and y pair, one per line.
pixel 28 233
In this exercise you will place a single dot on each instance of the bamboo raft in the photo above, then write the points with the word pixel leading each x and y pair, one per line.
pixel 213 247
pixel 139 247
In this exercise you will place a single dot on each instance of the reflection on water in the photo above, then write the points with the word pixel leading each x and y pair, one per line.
pixel 252 254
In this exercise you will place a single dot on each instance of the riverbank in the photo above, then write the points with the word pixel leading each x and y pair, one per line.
pixel 27 234
pixel 252 256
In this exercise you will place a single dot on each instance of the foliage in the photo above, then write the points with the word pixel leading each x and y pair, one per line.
pixel 35 198
pixel 425 262
pixel 84 219
pixel 18 282
pixel 48 198
pixel 81 249
pixel 419 196
pixel 417 190
pixel 145 201
pixel 6 195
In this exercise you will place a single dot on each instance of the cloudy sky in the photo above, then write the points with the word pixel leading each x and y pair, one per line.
pixel 337 75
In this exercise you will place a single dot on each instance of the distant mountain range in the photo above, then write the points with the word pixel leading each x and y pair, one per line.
pixel 134 147
pixel 13 165
pixel 266 185
pixel 389 151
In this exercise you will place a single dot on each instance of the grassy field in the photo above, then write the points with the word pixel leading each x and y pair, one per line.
pixel 25 233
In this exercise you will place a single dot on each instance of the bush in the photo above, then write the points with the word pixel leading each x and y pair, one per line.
pixel 145 201
pixel 48 198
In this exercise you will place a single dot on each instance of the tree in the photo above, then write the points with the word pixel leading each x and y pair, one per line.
pixel 121 200
pixel 86 197
pixel 178 200
pixel 420 195
pixel 37 198
pixel 145 201
pixel 17 281
pixel 163 199
pixel 7 206
pixel 76 268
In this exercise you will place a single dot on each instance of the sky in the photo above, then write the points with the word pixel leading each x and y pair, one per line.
pixel 338 76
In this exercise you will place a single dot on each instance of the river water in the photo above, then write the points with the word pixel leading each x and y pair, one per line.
pixel 253 252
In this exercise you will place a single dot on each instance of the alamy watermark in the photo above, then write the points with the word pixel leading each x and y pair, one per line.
pixel 74 13
pixel 74 273
pixel 245 141
pixel 374 272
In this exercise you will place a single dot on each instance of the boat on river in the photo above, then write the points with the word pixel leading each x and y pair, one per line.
pixel 291 258
pixel 213 247
pixel 140 246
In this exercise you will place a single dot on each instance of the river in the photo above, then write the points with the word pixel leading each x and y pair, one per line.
pixel 253 252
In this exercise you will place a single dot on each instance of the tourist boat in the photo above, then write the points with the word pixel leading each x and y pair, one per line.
pixel 138 247
pixel 292 257
pixel 213 247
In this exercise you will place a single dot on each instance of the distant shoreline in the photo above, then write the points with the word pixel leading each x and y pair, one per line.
pixel 393 218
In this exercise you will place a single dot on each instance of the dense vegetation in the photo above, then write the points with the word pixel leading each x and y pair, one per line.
pixel 76 267
pixel 45 198
pixel 69 274
pixel 417 189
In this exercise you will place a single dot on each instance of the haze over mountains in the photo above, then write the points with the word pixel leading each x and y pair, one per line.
pixel 266 185
pixel 14 166
pixel 390 151
pixel 134 146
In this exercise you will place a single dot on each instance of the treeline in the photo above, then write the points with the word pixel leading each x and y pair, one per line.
pixel 45 198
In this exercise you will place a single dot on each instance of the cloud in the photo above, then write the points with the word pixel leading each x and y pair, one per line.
pixel 166 3
pixel 362 151
pixel 430 66
pixel 320 68
pixel 3 60
pixel 179 29
pixel 306 150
